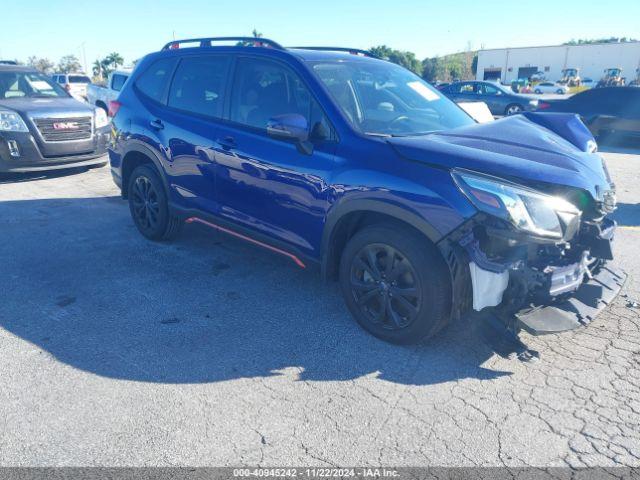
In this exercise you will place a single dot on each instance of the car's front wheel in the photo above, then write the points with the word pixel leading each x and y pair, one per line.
pixel 395 284
pixel 149 207
pixel 538 91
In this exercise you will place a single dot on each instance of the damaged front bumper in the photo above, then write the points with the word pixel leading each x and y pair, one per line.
pixel 531 285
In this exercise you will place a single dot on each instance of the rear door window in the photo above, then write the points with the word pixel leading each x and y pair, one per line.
pixel 153 82
pixel 198 85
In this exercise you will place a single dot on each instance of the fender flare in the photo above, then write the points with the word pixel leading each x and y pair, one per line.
pixel 337 213
pixel 140 147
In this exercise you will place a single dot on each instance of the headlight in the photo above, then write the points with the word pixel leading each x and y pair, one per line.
pixel 528 210
pixel 11 122
pixel 101 118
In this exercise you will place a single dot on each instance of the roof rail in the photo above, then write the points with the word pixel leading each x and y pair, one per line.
pixel 207 42
pixel 352 51
pixel 8 62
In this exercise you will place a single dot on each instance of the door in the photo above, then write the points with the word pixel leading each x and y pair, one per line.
pixel 189 125
pixel 493 97
pixel 270 185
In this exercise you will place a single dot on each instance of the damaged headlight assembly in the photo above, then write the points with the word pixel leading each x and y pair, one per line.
pixel 528 210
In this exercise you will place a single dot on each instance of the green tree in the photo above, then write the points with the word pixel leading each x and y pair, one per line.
pixel 42 64
pixel 404 58
pixel 69 63
pixel 114 59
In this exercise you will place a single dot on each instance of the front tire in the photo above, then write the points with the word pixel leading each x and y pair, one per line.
pixel 395 284
pixel 149 206
pixel 538 92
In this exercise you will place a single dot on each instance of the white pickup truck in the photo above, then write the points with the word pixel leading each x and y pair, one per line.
pixel 100 96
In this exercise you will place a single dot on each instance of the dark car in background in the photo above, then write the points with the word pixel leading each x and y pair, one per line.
pixel 606 111
pixel 43 128
pixel 500 100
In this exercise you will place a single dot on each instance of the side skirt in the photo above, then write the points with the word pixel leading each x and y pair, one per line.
pixel 195 216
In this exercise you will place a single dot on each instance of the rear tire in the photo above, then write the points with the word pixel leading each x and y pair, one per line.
pixel 538 92
pixel 513 109
pixel 149 206
pixel 395 284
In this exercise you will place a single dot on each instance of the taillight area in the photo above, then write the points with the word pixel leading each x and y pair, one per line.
pixel 114 106
pixel 543 105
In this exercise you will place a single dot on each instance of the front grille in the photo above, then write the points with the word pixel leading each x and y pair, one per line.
pixel 64 129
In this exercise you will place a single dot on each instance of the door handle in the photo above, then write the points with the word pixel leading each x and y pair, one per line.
pixel 156 124
pixel 227 143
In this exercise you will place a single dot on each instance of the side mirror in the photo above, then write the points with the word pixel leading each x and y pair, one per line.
pixel 290 126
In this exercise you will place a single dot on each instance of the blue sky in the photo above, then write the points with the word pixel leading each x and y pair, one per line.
pixel 54 28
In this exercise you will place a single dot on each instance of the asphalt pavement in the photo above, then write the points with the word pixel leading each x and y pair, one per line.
pixel 207 351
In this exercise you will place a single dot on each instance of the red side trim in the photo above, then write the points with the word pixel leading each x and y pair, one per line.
pixel 248 239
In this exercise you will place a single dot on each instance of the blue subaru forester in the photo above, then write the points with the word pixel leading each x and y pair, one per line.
pixel 329 156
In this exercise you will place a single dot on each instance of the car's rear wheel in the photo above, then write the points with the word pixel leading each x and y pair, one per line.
pixel 395 284
pixel 560 91
pixel 513 109
pixel 538 91
pixel 149 207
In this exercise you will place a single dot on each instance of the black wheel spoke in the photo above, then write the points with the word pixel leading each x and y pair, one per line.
pixel 362 265
pixel 384 286
pixel 373 262
pixel 410 307
pixel 410 292
pixel 389 261
pixel 367 297
pixel 392 315
pixel 363 286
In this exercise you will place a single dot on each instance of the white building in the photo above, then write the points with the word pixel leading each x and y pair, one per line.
pixel 508 64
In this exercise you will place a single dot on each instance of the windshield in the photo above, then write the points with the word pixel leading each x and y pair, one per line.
pixel 380 98
pixel 28 84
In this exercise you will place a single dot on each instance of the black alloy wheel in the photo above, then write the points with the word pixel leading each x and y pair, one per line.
pixel 149 206
pixel 395 283
pixel 385 286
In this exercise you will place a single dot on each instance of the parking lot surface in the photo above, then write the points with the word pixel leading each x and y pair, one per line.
pixel 208 351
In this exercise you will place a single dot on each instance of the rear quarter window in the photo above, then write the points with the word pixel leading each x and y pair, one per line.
pixel 117 82
pixel 153 82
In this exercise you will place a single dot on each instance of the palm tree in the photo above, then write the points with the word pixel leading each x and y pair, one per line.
pixel 114 59
pixel 97 69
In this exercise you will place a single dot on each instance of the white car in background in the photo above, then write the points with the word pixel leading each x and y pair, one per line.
pixel 102 95
pixel 550 87
pixel 74 83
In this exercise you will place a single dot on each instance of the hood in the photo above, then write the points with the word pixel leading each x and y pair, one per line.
pixel 514 148
pixel 47 107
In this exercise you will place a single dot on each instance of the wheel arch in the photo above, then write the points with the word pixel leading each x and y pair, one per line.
pixel 346 219
pixel 135 156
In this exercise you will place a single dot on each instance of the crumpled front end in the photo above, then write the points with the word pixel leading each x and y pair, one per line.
pixel 537 257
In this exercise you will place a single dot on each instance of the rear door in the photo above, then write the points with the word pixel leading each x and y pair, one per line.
pixel 190 126
pixel 492 96
pixel 464 92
